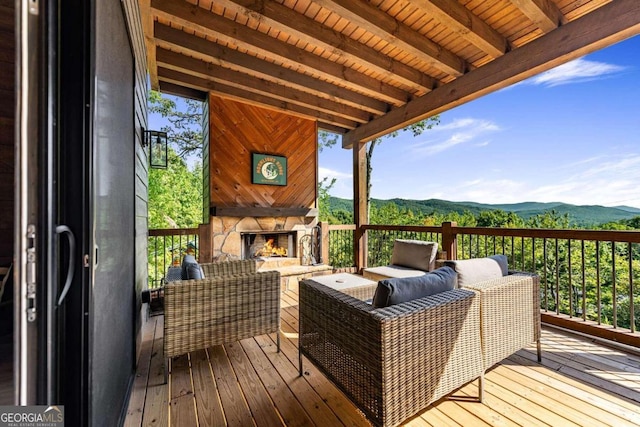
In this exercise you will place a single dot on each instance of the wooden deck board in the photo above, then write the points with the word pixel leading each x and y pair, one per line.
pixel 579 383
pixel 285 392
pixel 139 392
pixel 182 403
pixel 233 402
pixel 156 407
pixel 208 405
pixel 262 408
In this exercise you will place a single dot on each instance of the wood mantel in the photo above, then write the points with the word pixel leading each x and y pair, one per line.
pixel 259 211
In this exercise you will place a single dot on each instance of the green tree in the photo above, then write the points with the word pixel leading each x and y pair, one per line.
pixel 185 123
pixel 499 218
pixel 175 194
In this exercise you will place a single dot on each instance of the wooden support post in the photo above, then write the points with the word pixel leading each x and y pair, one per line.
pixel 360 214
pixel 450 239
pixel 205 243
pixel 324 245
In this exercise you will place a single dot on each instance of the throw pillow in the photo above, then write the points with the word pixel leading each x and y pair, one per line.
pixel 191 269
pixel 399 290
pixel 414 254
pixel 194 271
pixel 479 269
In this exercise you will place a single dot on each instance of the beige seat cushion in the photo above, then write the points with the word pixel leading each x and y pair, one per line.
pixel 391 271
pixel 416 254
pixel 479 269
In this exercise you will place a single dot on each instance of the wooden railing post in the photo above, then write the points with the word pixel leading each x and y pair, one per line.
pixel 205 250
pixel 324 239
pixel 450 239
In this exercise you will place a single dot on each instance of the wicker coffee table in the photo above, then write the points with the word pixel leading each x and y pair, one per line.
pixel 350 284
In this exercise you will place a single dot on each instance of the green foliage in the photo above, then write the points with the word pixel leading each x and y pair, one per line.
pixel 499 218
pixel 185 124
pixel 534 215
pixel 175 195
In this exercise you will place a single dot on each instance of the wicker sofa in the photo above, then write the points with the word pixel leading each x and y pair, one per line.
pixel 231 303
pixel 392 362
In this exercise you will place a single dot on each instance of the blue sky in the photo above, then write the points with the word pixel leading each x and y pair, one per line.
pixel 571 134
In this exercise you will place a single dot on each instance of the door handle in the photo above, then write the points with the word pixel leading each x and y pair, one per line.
pixel 63 229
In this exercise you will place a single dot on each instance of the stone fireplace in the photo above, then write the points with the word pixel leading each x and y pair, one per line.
pixel 243 237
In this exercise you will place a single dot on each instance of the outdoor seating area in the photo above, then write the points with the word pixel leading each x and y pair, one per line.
pixel 421 336
pixel 580 381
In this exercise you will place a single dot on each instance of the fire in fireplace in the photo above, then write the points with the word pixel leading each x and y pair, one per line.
pixel 269 244
pixel 271 248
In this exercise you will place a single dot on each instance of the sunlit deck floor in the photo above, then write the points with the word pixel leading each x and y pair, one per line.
pixel 579 382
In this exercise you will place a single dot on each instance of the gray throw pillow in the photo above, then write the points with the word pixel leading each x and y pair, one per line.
pixel 186 260
pixel 194 271
pixel 479 269
pixel 399 290
pixel 416 254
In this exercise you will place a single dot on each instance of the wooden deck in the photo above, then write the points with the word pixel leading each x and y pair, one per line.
pixel 579 383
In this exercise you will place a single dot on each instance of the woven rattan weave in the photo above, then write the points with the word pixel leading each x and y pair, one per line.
pixel 510 312
pixel 392 362
pixel 216 310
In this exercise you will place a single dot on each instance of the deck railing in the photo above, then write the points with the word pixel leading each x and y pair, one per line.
pixel 587 275
pixel 166 245
pixel 340 245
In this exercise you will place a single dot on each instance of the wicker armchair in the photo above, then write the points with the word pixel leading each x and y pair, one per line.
pixel 228 268
pixel 392 362
pixel 201 313
pixel 510 312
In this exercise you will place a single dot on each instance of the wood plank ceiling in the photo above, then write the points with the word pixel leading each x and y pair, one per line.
pixel 365 68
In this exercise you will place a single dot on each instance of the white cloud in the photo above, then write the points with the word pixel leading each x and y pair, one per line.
pixel 577 71
pixel 330 173
pixel 607 180
pixel 457 132
pixel 343 186
pixel 610 180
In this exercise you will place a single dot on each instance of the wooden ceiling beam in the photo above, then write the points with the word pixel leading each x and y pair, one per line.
pixel 198 19
pixel 247 97
pixel 603 27
pixel 314 33
pixel 331 128
pixel 198 47
pixel 147 27
pixel 196 67
pixel 544 13
pixel 465 24
pixel 185 92
pixel 397 34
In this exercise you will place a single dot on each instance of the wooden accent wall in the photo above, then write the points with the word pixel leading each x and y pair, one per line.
pixel 239 129
pixel 7 128
pixel 134 24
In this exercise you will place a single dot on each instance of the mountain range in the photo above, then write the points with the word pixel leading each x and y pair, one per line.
pixel 579 215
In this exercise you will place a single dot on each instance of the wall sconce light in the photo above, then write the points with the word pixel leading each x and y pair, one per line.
pixel 157 142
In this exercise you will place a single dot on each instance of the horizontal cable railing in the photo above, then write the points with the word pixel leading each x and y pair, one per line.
pixel 165 248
